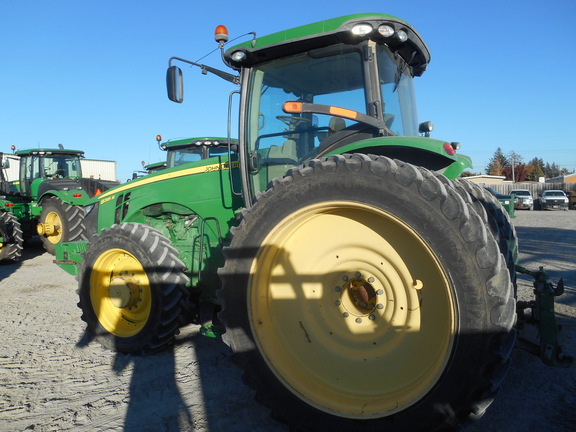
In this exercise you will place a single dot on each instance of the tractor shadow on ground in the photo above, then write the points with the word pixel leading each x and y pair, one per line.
pixel 192 385
pixel 32 248
pixel 147 398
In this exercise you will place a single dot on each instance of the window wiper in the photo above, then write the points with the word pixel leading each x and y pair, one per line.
pixel 400 71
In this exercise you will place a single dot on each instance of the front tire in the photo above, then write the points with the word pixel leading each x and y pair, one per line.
pixel 361 292
pixel 60 222
pixel 11 238
pixel 131 289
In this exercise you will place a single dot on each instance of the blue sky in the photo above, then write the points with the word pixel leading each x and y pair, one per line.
pixel 91 74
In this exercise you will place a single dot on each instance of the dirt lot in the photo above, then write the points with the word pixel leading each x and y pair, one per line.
pixel 52 378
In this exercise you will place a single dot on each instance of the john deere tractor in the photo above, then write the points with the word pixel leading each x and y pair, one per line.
pixel 49 194
pixel 358 282
pixel 186 150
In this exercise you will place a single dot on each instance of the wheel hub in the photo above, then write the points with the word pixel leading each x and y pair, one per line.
pixel 47 229
pixel 124 291
pixel 358 297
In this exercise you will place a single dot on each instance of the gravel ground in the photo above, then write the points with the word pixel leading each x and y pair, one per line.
pixel 52 378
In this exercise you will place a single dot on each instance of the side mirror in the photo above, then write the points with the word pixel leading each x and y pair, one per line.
pixel 425 128
pixel 175 84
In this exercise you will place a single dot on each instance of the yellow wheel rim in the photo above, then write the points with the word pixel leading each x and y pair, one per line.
pixel 53 220
pixel 351 310
pixel 120 293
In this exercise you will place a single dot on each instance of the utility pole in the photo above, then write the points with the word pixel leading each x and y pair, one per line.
pixel 513 163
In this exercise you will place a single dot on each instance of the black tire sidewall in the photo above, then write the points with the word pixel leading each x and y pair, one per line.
pixel 54 205
pixel 12 237
pixel 457 256
pixel 121 239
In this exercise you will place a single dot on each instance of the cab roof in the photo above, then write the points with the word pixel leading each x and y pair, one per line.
pixel 198 141
pixel 40 151
pixel 332 31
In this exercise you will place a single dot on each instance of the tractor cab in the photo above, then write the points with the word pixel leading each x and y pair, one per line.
pixel 39 165
pixel 4 184
pixel 343 85
pixel 194 149
pixel 314 102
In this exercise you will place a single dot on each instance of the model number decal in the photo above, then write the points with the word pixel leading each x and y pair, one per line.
pixel 221 167
pixel 105 200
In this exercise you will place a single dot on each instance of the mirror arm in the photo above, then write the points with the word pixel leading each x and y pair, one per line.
pixel 235 79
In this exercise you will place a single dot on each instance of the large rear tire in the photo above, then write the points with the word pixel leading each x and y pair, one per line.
pixel 131 289
pixel 499 223
pixel 60 222
pixel 361 292
pixel 10 238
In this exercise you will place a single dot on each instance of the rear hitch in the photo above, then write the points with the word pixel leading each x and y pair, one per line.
pixel 543 316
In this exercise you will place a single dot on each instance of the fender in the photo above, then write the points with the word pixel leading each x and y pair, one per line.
pixel 433 154
pixel 73 197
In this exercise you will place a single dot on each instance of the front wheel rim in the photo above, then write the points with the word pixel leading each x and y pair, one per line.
pixel 54 219
pixel 120 293
pixel 336 299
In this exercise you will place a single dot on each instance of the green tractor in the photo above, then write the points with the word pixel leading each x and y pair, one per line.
pixel 358 282
pixel 187 150
pixel 11 238
pixel 194 149
pixel 50 192
pixel 154 167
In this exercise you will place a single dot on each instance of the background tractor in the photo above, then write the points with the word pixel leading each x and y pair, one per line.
pixel 50 192
pixel 10 229
pixel 187 150
pixel 358 282
pixel 194 149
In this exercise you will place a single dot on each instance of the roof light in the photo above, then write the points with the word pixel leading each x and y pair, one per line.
pixel 343 112
pixel 401 35
pixel 386 30
pixel 361 29
pixel 455 145
pixel 238 56
pixel 76 195
pixel 158 138
pixel 221 34
pixel 9 204
pixel 292 107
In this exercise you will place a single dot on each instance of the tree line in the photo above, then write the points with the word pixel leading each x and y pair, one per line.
pixel 514 169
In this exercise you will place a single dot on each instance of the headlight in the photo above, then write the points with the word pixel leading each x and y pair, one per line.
pixel 401 35
pixel 238 56
pixel 361 29
pixel 386 30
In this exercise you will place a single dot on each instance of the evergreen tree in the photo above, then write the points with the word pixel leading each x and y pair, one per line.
pixel 497 163
pixel 551 170
pixel 535 169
